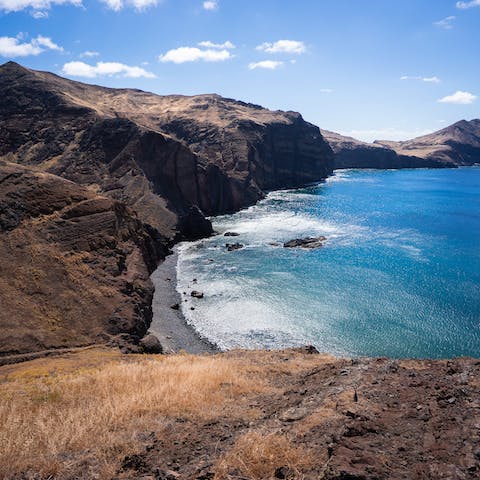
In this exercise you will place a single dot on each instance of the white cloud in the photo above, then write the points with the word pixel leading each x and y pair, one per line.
pixel 459 98
pixel 210 5
pixel 38 14
pixel 81 69
pixel 39 7
pixel 221 46
pixel 266 64
pixel 89 54
pixel 14 47
pixel 325 90
pixel 396 134
pixel 194 54
pixel 471 4
pixel 283 46
pixel 433 79
pixel 138 5
pixel 445 23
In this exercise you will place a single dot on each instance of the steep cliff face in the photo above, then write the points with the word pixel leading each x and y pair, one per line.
pixel 74 267
pixel 260 149
pixel 164 156
pixel 352 153
pixel 457 144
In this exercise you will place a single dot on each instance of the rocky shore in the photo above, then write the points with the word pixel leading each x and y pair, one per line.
pixel 168 322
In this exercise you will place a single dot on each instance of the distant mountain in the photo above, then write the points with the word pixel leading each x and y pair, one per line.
pixel 97 182
pixel 456 145
pixel 352 153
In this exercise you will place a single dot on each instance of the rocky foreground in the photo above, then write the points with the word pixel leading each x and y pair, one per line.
pixel 242 415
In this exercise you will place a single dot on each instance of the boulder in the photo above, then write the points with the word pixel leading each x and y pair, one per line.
pixel 308 242
pixel 233 246
pixel 151 344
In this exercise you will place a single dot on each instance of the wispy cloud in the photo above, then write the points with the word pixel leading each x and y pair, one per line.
pixel 283 46
pixel 471 4
pixel 89 54
pixel 194 54
pixel 226 45
pixel 326 90
pixel 459 98
pixel 265 64
pixel 446 23
pixel 109 69
pixel 14 46
pixel 210 5
pixel 433 79
pixel 38 7
pixel 139 5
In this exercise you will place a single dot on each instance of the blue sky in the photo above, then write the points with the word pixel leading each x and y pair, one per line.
pixel 369 68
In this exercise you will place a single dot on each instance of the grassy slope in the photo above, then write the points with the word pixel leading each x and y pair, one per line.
pixel 97 414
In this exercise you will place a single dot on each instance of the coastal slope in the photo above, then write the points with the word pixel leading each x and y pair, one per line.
pixel 75 265
pixel 168 157
pixel 97 183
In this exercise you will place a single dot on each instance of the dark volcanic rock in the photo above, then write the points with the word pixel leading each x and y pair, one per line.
pixel 151 344
pixel 231 234
pixel 309 242
pixel 233 246
pixel 75 265
pixel 171 158
pixel 196 294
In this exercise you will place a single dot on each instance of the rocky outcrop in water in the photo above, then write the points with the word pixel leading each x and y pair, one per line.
pixel 308 242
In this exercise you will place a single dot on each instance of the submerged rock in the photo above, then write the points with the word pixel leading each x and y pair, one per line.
pixel 231 234
pixel 196 294
pixel 308 242
pixel 233 246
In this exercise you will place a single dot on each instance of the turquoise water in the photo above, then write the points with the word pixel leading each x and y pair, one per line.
pixel 399 275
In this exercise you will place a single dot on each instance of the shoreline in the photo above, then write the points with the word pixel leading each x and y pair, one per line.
pixel 170 325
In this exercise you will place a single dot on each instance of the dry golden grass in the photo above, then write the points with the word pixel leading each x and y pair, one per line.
pixel 52 417
pixel 256 455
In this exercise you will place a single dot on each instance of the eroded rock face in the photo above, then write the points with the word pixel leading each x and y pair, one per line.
pixel 163 156
pixel 74 267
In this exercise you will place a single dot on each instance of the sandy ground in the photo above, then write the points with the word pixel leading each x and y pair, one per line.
pixel 168 324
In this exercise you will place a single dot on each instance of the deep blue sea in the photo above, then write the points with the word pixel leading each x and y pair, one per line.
pixel 399 275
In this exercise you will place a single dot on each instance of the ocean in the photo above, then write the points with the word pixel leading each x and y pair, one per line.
pixel 399 274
